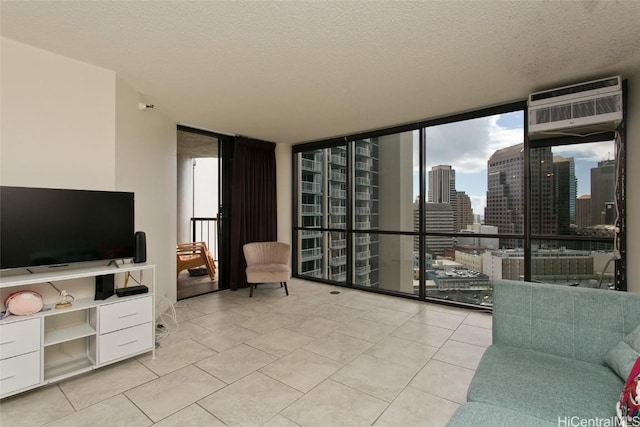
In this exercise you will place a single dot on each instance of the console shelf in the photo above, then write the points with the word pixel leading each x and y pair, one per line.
pixel 67 367
pixel 54 344
pixel 68 334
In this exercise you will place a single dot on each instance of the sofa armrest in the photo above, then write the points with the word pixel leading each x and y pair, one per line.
pixel 579 323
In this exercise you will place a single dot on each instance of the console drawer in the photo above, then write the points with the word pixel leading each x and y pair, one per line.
pixel 126 342
pixel 121 315
pixel 19 372
pixel 19 338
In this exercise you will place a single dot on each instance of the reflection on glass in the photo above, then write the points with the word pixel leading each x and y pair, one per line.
pixel 385 261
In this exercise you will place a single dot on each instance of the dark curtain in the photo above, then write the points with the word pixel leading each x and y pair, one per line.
pixel 253 205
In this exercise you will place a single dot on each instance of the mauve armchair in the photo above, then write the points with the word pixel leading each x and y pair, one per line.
pixel 267 262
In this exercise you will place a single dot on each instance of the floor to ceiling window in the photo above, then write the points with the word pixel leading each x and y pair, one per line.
pixel 442 209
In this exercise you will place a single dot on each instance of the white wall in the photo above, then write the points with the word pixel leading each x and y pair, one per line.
pixel 58 119
pixel 633 177
pixel 145 163
pixel 67 124
pixel 284 183
pixel 184 197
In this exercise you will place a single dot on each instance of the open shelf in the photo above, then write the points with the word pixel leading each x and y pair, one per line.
pixel 70 324
pixel 68 367
pixel 69 357
pixel 67 334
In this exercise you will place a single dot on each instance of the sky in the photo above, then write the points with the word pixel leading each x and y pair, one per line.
pixel 206 187
pixel 467 146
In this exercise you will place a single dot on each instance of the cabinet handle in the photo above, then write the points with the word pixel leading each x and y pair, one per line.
pixel 127 343
pixel 7 342
pixel 7 378
pixel 127 315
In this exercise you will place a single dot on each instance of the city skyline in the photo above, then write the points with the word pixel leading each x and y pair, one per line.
pixel 478 139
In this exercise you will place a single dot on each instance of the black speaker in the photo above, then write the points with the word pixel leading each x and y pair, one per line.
pixel 104 286
pixel 141 247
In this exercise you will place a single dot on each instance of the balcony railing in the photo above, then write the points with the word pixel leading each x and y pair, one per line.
pixel 339 277
pixel 313 273
pixel 310 209
pixel 311 234
pixel 364 240
pixel 339 194
pixel 339 244
pixel 363 211
pixel 339 160
pixel 365 166
pixel 337 176
pixel 363 151
pixel 338 210
pixel 361 271
pixel 311 187
pixel 339 260
pixel 363 181
pixel 311 165
pixel 204 229
pixel 363 196
pixel 362 225
pixel 311 253
pixel 363 255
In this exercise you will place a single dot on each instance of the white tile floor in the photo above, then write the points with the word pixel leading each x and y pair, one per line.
pixel 309 359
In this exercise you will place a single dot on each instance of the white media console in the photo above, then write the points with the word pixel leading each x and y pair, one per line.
pixel 55 344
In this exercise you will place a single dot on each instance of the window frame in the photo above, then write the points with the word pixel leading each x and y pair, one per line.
pixel 527 236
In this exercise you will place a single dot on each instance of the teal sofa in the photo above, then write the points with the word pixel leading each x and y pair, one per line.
pixel 546 366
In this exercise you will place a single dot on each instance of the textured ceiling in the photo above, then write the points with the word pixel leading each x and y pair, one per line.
pixel 299 71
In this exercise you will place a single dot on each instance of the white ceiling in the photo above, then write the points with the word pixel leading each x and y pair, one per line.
pixel 299 71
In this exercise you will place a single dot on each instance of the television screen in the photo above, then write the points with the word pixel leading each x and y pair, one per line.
pixel 43 226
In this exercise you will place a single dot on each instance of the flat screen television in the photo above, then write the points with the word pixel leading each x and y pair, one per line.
pixel 52 227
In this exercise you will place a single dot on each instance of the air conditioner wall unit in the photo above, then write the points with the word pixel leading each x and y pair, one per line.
pixel 579 109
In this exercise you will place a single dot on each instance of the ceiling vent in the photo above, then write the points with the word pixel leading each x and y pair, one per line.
pixel 579 109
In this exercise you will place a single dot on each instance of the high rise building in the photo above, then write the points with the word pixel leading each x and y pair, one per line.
pixel 463 212
pixel 583 211
pixel 565 189
pixel 505 193
pixel 439 219
pixel 366 211
pixel 323 195
pixel 506 196
pixel 542 202
pixel 442 187
pixel 602 191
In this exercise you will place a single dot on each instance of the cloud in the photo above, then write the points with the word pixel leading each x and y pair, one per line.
pixel 467 145
pixel 590 152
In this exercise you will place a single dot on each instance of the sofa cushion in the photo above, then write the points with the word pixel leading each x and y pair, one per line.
pixel 580 323
pixel 544 386
pixel 624 354
pixel 482 414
